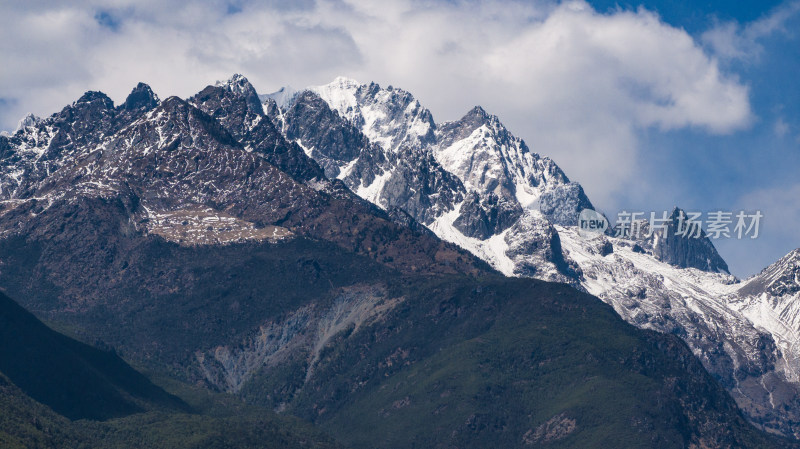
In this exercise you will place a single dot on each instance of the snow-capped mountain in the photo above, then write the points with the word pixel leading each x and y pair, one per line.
pixel 228 165
pixel 211 168
pixel 386 158
pixel 386 147
pixel 220 236
pixel 474 183
pixel 771 300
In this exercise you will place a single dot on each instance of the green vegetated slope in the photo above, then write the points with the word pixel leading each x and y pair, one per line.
pixel 27 424
pixel 83 382
pixel 74 379
pixel 514 363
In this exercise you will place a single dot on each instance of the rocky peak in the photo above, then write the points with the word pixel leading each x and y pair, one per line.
pixel 240 85
pixel 450 132
pixel 685 251
pixel 335 142
pixel 236 106
pixel 793 257
pixel 173 103
pixel 477 112
pixel 236 83
pixel 78 126
pixel 95 98
pixel 183 116
pixel 489 159
pixel 782 278
pixel 141 97
pixel 787 280
pixel 92 114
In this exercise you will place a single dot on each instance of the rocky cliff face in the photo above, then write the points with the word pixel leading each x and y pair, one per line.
pixel 683 252
pixel 236 106
pixel 384 160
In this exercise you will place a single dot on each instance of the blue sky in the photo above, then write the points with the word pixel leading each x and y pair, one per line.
pixel 754 168
pixel 648 105
pixel 697 16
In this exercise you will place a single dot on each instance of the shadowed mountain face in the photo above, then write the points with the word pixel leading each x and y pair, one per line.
pixel 57 378
pixel 73 379
pixel 197 241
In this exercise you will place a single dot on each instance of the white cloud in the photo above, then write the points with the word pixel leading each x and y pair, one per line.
pixel 732 40
pixel 577 85
pixel 781 128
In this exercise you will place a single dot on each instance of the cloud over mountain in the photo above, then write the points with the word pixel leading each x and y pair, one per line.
pixel 578 85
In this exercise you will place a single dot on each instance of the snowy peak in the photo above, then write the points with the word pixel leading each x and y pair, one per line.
pixel 28 121
pixel 240 85
pixel 771 300
pixel 340 94
pixel 237 83
pixel 344 82
pixel 283 97
pixel 141 97
pixel 390 117
pixel 377 141
pixel 341 86
pixel 779 279
pixel 423 162
pixel 785 275
pixel 489 159
pixel 449 132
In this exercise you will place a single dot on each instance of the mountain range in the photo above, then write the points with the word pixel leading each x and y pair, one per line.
pixel 335 254
pixel 518 211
